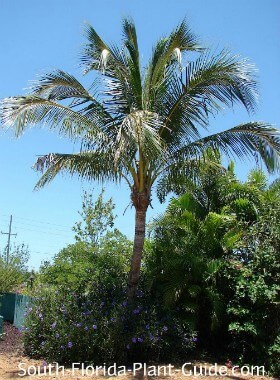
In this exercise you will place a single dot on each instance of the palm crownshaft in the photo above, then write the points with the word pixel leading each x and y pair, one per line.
pixel 142 126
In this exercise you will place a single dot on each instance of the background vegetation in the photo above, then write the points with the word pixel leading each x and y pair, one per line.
pixel 209 283
pixel 14 272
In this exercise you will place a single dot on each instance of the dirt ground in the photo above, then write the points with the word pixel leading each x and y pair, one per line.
pixel 11 355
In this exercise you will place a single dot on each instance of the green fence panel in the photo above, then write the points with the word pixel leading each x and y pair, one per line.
pixel 7 306
pixel 22 304
pixel 1 325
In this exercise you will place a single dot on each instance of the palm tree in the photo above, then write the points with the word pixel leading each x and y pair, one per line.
pixel 141 124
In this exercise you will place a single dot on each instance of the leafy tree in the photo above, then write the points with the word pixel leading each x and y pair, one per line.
pixel 142 125
pixel 71 267
pixel 14 272
pixel 99 255
pixel 81 266
pixel 96 218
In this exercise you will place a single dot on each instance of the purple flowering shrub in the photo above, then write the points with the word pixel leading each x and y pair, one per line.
pixel 102 327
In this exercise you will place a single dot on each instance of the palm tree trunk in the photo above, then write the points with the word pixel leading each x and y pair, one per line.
pixel 139 237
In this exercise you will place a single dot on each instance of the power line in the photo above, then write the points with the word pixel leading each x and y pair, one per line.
pixel 39 221
pixel 44 232
pixel 43 253
pixel 45 228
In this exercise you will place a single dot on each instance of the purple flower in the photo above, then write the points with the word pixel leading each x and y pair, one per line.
pixel 57 335
pixel 124 303
pixel 94 327
pixel 62 347
pixel 195 339
pixel 70 344
pixel 86 328
pixel 53 325
pixel 136 311
pixel 113 319
pixel 44 364
pixel 140 340
pixel 78 324
pixel 165 328
pixel 128 346
pixel 147 327
pixel 134 340
pixel 43 343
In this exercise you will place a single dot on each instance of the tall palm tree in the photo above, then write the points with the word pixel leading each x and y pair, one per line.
pixel 141 124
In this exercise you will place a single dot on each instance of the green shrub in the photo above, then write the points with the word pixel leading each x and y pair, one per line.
pixel 79 265
pixel 101 327
pixel 274 357
pixel 13 272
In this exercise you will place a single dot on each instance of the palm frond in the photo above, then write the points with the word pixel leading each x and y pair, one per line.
pixel 131 44
pixel 210 82
pixel 98 166
pixel 166 55
pixel 186 203
pixel 223 77
pixel 22 112
pixel 175 176
pixel 139 132
pixel 121 71
pixel 98 55
pixel 243 141
pixel 275 186
pixel 122 92
pixel 59 85
pixel 169 49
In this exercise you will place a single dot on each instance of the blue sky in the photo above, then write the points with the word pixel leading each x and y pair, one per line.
pixel 38 36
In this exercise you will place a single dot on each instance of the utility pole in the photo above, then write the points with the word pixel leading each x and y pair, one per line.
pixel 9 238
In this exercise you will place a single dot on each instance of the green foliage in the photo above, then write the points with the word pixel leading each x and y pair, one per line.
pixel 274 356
pixel 102 327
pixel 96 218
pixel 80 312
pixel 98 252
pixel 14 272
pixel 79 265
pixel 255 306
pixel 258 179
pixel 215 252
pixel 211 274
pixel 71 267
pixel 185 257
